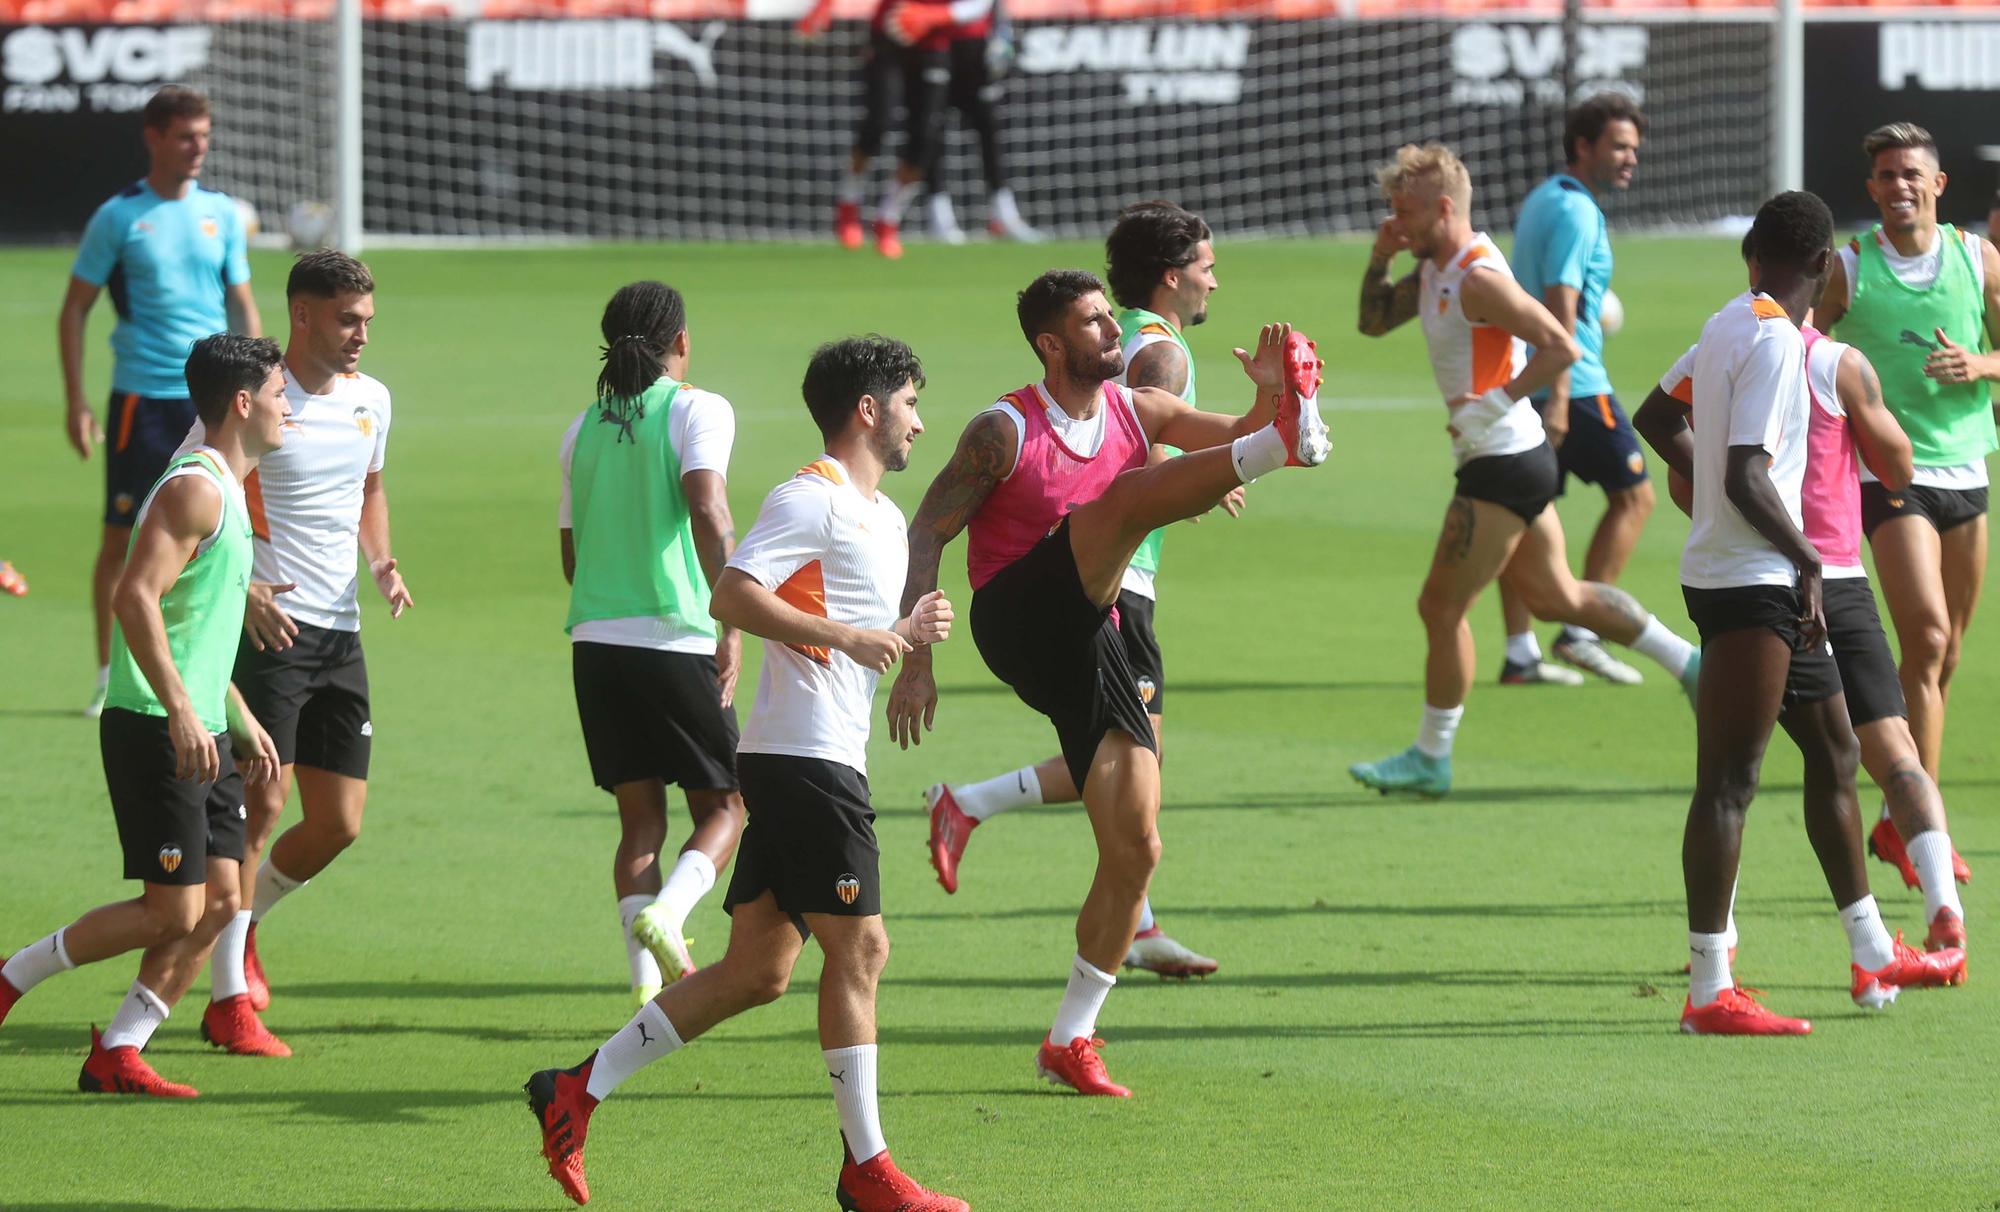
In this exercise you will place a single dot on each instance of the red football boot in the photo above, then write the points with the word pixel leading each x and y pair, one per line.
pixel 1077 1066
pixel 888 239
pixel 1738 1012
pixel 8 996
pixel 1886 844
pixel 1947 930
pixel 122 1071
pixel 253 973
pixel 1959 871
pixel 1298 419
pixel 561 1103
pixel 1914 969
pixel 233 1026
pixel 950 830
pixel 847 224
pixel 876 1185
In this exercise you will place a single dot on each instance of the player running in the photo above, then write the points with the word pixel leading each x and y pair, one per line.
pixel 1161 266
pixel 1847 413
pixel 1562 256
pixel 300 667
pixel 1476 319
pixel 646 531
pixel 818 577
pixel 1922 301
pixel 980 37
pixel 1753 586
pixel 1053 483
pixel 176 793
pixel 173 255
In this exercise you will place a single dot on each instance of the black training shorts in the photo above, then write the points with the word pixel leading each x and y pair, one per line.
pixel 1142 649
pixel 1523 483
pixel 312 698
pixel 653 715
pixel 1814 678
pixel 1943 508
pixel 810 838
pixel 1861 650
pixel 168 827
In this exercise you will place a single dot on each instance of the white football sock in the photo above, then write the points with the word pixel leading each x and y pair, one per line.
pixel 693 875
pixel 1930 854
pixel 1885 811
pixel 225 966
pixel 1145 915
pixel 1708 967
pixel 852 1072
pixel 896 201
pixel 1440 726
pixel 853 187
pixel 1729 930
pixel 1524 649
pixel 1670 650
pixel 1581 633
pixel 1867 940
pixel 1015 789
pixel 273 886
pixel 1003 206
pixel 138 1016
pixel 1258 453
pixel 647 1038
pixel 37 962
pixel 645 969
pixel 1076 1018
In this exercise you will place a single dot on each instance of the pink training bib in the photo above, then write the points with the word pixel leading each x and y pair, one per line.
pixel 1830 498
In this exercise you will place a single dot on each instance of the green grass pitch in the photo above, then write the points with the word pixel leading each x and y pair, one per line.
pixel 1466 1003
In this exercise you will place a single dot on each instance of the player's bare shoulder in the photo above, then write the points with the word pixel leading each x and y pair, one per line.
pixel 1161 364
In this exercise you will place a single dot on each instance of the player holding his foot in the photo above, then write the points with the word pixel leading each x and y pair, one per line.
pixel 1161 266
pixel 646 531
pixel 176 793
pixel 1562 256
pixel 818 577
pixel 1053 483
pixel 300 667
pixel 1753 586
pixel 1476 320
pixel 1922 301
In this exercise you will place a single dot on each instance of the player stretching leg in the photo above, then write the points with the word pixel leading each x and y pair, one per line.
pixel 174 256
pixel 1753 586
pixel 1847 412
pixel 299 665
pixel 818 577
pixel 1498 525
pixel 1052 481
pixel 175 791
pixel 978 26
pixel 1161 266
pixel 1922 301
pixel 1562 256
pixel 645 533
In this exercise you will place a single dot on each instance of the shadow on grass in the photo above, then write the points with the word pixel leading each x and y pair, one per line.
pixel 1508 910
pixel 1223 687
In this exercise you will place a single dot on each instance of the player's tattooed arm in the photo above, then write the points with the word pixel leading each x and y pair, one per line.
pixel 1385 302
pixel 1885 448
pixel 1161 365
pixel 984 457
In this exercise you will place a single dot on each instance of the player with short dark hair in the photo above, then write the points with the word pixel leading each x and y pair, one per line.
pixel 1753 583
pixel 173 256
pixel 300 666
pixel 1052 482
pixel 1922 300
pixel 175 791
pixel 646 531
pixel 818 577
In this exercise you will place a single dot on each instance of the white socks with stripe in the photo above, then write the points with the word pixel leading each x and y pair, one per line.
pixel 1867 940
pixel 1076 1018
pixel 852 1074
pixel 1662 645
pixel 37 962
pixel 645 969
pixel 225 967
pixel 1015 789
pixel 273 886
pixel 1930 854
pixel 647 1038
pixel 139 1015
pixel 1440 727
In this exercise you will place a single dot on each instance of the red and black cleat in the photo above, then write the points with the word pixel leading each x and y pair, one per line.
pixel 123 1071
pixel 876 1185
pixel 561 1103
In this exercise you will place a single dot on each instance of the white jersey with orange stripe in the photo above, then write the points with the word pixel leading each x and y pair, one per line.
pixel 1471 359
pixel 305 497
pixel 829 551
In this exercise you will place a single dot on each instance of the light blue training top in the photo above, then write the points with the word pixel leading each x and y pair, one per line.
pixel 1561 239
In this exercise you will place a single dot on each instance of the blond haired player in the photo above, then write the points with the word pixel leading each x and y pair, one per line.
pixel 1498 525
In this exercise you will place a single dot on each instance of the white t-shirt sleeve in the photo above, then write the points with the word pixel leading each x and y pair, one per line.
pixel 381 454
pixel 1678 382
pixel 793 528
pixel 1773 371
pixel 703 431
pixel 567 451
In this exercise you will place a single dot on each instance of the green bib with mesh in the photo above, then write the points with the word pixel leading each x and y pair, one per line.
pixel 203 611
pixel 1147 558
pixel 1896 326
pixel 635 551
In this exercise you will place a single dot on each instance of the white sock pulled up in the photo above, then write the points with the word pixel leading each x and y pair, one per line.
pixel 1708 967
pixel 1082 998
pixel 647 1038
pixel 1259 453
pixel 1930 854
pixel 1438 730
pixel 1662 645
pixel 138 1016
pixel 693 875
pixel 37 962
pixel 851 1071
pixel 1524 649
pixel 1867 939
pixel 1015 789
pixel 225 966
pixel 273 886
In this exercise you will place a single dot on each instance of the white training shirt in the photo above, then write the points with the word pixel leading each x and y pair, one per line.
pixel 1919 273
pixel 1475 358
pixel 1749 390
pixel 829 551
pixel 701 427
pixel 304 498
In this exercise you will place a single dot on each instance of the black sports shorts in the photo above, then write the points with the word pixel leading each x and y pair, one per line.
pixel 312 698
pixel 1142 649
pixel 1943 508
pixel 1522 483
pixel 1601 447
pixel 168 827
pixel 1861 650
pixel 141 434
pixel 653 715
pixel 1814 677
pixel 810 838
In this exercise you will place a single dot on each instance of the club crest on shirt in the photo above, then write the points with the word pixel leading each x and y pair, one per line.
pixel 209 229
pixel 847 888
pixel 364 421
pixel 170 859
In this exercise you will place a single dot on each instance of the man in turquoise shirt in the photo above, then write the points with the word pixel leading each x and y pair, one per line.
pixel 172 255
pixel 1562 256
